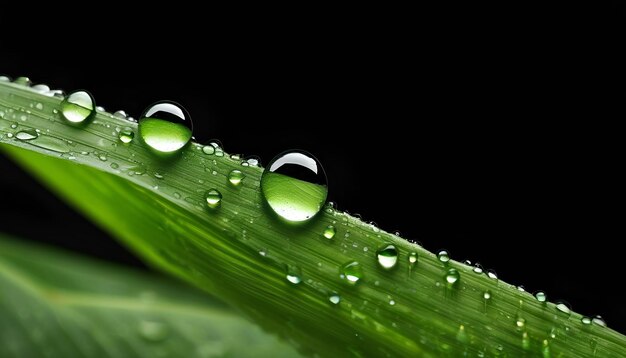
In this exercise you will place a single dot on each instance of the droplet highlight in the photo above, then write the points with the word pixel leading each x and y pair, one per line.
pixel 443 256
pixel 541 296
pixel 294 186
pixel 165 127
pixel 351 272
pixel 235 177
pixel 452 276
pixel 126 136
pixel 329 232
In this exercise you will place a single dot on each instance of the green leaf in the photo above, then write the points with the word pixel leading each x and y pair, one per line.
pixel 243 254
pixel 53 304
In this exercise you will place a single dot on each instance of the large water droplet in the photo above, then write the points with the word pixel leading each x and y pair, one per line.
pixel 165 126
pixel 294 185
pixel 452 276
pixel 351 272
pixel 387 256
pixel 27 134
pixel 153 331
pixel 541 296
pixel 329 232
pixel 78 106
pixel 443 256
pixel 208 149
pixel 235 177
pixel 563 308
pixel 213 198
pixel 126 136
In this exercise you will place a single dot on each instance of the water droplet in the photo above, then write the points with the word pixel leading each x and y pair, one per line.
pixel 294 186
pixel 102 157
pixel 525 341
pixel 165 126
pixel 41 88
pixel 120 114
pixel 351 272
pixel 461 335
pixel 24 81
pixel 235 177
pixel 334 298
pixel 213 198
pixel 452 276
pixel 563 307
pixel 78 106
pixel 115 166
pixel 521 288
pixel 39 106
pixel 477 269
pixel 329 232
pixel 253 161
pixel 153 331
pixel 4 79
pixel 392 302
pixel 27 134
pixel 598 320
pixel 208 149
pixel 487 295
pixel 294 274
pixel 585 320
pixel 520 322
pixel 412 258
pixel 387 256
pixel 443 256
pixel 541 296
pixel 235 156
pixel 492 275
pixel 545 349
pixel 126 136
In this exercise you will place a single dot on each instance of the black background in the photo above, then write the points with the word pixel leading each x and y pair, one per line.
pixel 487 132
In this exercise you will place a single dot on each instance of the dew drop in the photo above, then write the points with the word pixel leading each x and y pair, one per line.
pixel 392 302
pixel 585 320
pixel 443 256
pixel 294 274
pixel 387 256
pixel 351 272
pixel 208 149
pixel 41 88
pixel 541 296
pixel 78 106
pixel 334 298
pixel 599 321
pixel 165 127
pixel 5 79
pixel 563 308
pixel 525 341
pixel 126 136
pixel 39 106
pixel 487 295
pixel 492 275
pixel 213 198
pixel 24 81
pixel 452 276
pixel 153 331
pixel 520 322
pixel 120 114
pixel 412 258
pixel 235 177
pixel 545 349
pixel 477 269
pixel 329 232
pixel 27 134
pixel 294 185
pixel 461 335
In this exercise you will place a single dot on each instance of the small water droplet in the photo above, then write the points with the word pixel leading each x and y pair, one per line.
pixel 26 134
pixel 153 331
pixel 599 321
pixel 126 136
pixel 5 79
pixel 78 106
pixel 487 295
pixel 412 258
pixel 452 276
pixel 541 296
pixel 235 156
pixel 102 157
pixel 115 165
pixel 165 127
pixel 294 274
pixel 213 198
pixel 461 335
pixel 120 114
pixel 24 81
pixel 235 177
pixel 545 349
pixel 253 162
pixel 41 88
pixel 329 232
pixel 208 149
pixel 263 252
pixel 387 256
pixel 521 288
pixel 351 272
pixel 443 256
pixel 294 186
pixel 477 269
pixel 392 302
pixel 334 298
pixel 39 106
pixel 525 341
pixel 563 307
pixel 585 320
pixel 520 322
pixel 492 275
